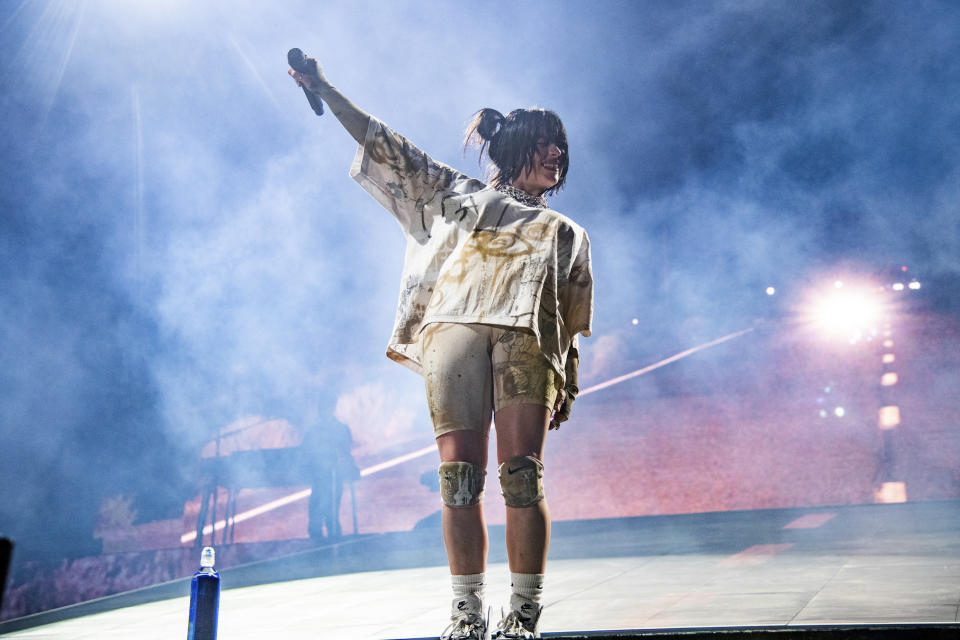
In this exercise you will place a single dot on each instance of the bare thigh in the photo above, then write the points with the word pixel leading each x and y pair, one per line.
pixel 463 446
pixel 521 431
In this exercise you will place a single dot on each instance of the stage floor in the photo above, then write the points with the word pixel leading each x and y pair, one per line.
pixel 842 565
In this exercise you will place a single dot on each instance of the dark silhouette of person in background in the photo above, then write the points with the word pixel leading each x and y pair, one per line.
pixel 326 449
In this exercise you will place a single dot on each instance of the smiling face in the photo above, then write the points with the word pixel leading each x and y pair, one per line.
pixel 530 152
pixel 543 172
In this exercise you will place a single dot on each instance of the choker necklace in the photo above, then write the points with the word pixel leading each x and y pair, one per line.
pixel 523 197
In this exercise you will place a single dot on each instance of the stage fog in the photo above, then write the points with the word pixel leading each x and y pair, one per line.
pixel 195 298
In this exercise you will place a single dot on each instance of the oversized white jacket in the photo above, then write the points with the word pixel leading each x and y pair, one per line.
pixel 474 254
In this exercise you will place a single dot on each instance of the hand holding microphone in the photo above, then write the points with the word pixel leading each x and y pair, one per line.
pixel 308 75
pixel 306 72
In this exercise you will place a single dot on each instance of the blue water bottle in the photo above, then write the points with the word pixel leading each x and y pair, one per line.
pixel 204 599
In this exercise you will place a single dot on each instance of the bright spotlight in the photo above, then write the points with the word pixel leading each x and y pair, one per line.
pixel 839 412
pixel 898 286
pixel 914 285
pixel 771 291
pixel 635 321
pixel 846 312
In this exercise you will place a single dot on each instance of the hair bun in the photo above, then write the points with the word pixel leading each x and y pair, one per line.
pixel 489 123
pixel 484 130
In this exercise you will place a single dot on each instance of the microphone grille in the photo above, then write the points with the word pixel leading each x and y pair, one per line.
pixel 297 60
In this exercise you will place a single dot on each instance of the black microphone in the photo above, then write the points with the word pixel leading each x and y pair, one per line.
pixel 298 62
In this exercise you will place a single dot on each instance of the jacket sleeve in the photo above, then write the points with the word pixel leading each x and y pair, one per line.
pixel 404 180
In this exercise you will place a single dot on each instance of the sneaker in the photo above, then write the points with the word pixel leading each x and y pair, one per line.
pixel 466 620
pixel 520 623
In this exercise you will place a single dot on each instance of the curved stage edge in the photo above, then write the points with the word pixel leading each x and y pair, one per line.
pixel 885 571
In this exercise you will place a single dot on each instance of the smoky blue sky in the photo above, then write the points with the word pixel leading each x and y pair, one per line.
pixel 181 246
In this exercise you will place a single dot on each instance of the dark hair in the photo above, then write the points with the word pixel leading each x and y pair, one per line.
pixel 513 138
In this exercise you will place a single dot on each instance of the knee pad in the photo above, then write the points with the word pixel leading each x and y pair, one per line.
pixel 461 483
pixel 521 481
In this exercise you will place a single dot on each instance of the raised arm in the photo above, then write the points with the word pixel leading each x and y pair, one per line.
pixel 354 119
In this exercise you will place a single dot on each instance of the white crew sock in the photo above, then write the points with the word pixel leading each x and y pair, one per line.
pixel 526 587
pixel 469 585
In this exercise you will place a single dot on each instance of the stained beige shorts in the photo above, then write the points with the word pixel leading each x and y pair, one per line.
pixel 472 370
